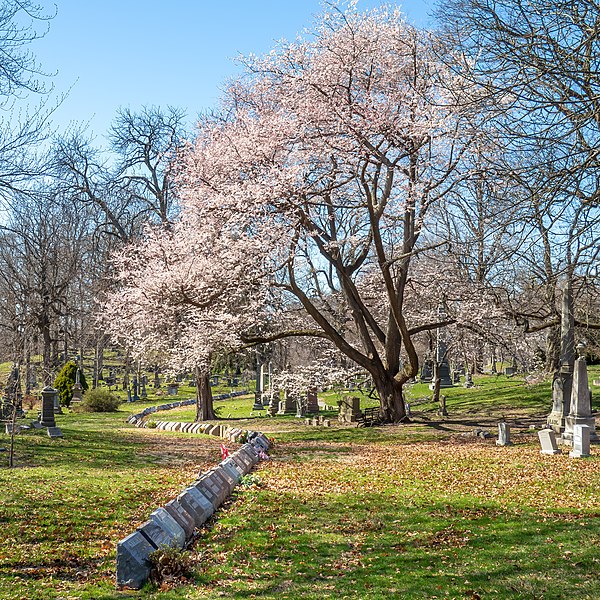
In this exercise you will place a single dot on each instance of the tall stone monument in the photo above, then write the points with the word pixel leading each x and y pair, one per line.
pixel 563 378
pixel 258 403
pixel 441 366
pixel 580 412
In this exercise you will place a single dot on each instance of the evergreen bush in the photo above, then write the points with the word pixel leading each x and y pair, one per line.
pixel 65 380
pixel 100 400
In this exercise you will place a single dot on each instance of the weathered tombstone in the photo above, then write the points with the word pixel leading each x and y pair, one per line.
pixel 581 442
pixel 164 519
pixel 274 401
pixel 57 407
pixel 185 520
pixel 156 377
pixel 54 432
pixel 49 396
pixel 510 371
pixel 288 405
pixel 468 380
pixel 312 401
pixel 503 435
pixel 548 441
pixel 580 412
pixel 172 389
pixel 349 409
pixel 426 371
pixel 133 566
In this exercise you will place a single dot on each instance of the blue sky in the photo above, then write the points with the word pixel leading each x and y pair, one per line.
pixel 132 53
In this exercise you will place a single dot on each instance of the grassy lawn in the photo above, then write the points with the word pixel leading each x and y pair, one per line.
pixel 411 511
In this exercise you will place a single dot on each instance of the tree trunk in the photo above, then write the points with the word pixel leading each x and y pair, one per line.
pixel 391 400
pixel 435 397
pixel 204 399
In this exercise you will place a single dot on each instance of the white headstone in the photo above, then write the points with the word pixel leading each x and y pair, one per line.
pixel 503 435
pixel 548 441
pixel 581 442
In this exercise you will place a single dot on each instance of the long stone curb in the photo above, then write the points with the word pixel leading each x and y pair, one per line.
pixel 139 418
pixel 174 524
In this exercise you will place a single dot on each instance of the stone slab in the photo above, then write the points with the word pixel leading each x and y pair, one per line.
pixel 182 516
pixel 133 567
pixel 234 469
pixel 227 480
pixel 54 432
pixel 164 520
pixel 548 441
pixel 199 508
pixel 208 490
pixel 155 534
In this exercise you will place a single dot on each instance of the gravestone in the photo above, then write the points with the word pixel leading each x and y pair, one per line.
pixel 312 401
pixel 580 412
pixel 196 505
pixel 468 380
pixel 274 401
pixel 54 432
pixel 503 435
pixel 349 409
pixel 581 442
pixel 133 567
pixel 288 405
pixel 164 519
pixel 426 371
pixel 510 371
pixel 185 520
pixel 172 389
pixel 548 441
pixel 49 395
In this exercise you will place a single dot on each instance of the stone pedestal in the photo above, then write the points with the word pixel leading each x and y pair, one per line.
pixel 77 393
pixel 581 411
pixel 258 405
pixel 49 397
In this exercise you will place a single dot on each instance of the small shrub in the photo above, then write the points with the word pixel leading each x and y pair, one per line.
pixel 169 565
pixel 100 400
pixel 65 381
pixel 250 480
pixel 151 425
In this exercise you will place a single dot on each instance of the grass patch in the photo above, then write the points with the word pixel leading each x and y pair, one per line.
pixel 412 511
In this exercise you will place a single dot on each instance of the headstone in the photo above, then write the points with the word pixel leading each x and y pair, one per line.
pixel 9 428
pixel 288 405
pixel 196 505
pixel 172 389
pixel 133 567
pixel 185 520
pixel 57 407
pixel 165 520
pixel 54 432
pixel 581 442
pixel 548 441
pixel 312 401
pixel 48 397
pixel 503 435
pixel 510 371
pixel 468 380
pixel 580 412
pixel 349 409
pixel 156 534
pixel 426 371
